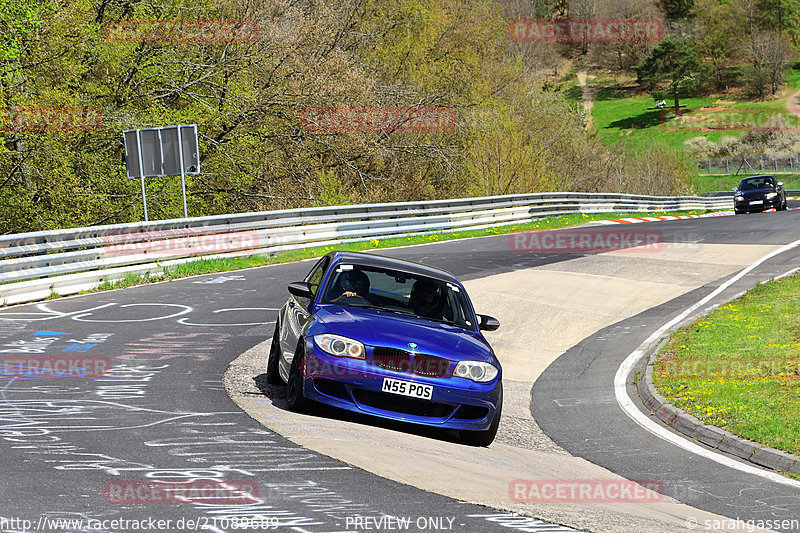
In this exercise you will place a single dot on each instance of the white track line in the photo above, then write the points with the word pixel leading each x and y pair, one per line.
pixel 630 409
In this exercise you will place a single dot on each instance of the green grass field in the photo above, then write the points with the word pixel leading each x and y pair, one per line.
pixel 621 115
pixel 739 367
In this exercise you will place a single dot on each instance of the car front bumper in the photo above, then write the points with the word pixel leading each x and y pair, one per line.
pixel 355 385
pixel 745 206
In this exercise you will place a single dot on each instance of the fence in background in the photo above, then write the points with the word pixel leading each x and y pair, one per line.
pixel 749 165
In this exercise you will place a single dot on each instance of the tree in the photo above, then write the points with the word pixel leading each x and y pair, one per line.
pixel 769 55
pixel 782 16
pixel 677 9
pixel 624 53
pixel 671 70
pixel 719 35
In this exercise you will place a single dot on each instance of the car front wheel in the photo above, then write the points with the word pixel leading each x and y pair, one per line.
pixel 273 376
pixel 294 387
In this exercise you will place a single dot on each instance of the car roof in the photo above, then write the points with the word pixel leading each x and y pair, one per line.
pixel 759 176
pixel 358 258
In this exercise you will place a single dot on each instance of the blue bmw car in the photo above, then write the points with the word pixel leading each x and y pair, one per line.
pixel 388 338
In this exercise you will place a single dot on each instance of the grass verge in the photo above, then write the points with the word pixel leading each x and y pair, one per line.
pixel 210 266
pixel 738 368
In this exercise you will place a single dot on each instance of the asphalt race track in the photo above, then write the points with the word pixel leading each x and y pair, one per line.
pixel 573 400
pixel 162 414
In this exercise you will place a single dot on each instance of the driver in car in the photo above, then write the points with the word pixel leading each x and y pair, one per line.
pixel 426 299
pixel 353 283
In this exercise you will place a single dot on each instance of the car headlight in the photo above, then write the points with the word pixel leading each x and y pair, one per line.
pixel 738 198
pixel 771 195
pixel 339 346
pixel 476 371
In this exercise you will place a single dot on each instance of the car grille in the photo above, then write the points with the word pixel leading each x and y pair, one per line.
pixel 403 405
pixel 391 359
pixel 471 412
pixel 331 388
pixel 403 361
pixel 430 365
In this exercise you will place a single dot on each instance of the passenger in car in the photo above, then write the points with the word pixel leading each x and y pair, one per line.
pixel 426 299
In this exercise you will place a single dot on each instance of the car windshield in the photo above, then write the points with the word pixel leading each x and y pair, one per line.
pixel 751 184
pixel 398 292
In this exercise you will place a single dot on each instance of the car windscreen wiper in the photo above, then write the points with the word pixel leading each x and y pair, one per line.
pixel 447 321
pixel 387 309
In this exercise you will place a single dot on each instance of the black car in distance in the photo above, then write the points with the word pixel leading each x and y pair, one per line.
pixel 759 193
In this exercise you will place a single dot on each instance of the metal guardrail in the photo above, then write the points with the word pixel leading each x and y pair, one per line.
pixel 66 261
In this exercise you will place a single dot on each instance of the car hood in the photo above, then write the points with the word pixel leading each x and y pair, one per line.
pixel 757 193
pixel 381 328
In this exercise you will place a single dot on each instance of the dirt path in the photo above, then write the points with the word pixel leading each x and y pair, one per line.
pixel 587 96
pixel 793 103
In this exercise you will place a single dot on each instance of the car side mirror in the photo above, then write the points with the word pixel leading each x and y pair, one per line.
pixel 301 289
pixel 488 323
pixel 780 184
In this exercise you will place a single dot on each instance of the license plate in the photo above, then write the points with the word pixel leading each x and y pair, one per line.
pixel 757 202
pixel 407 388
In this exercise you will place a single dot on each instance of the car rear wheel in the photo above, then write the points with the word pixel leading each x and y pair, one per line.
pixel 273 376
pixel 484 438
pixel 294 387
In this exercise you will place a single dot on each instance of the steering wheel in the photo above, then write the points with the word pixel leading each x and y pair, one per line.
pixel 352 300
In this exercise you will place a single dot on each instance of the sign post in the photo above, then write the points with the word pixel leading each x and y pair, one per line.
pixel 183 174
pixel 162 152
pixel 141 174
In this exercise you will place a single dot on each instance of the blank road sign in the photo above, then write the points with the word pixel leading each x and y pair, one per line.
pixel 169 140
pixel 191 154
pixel 151 153
pixel 160 151
pixel 131 154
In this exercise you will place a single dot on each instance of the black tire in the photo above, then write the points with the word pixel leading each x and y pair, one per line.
pixel 273 376
pixel 485 437
pixel 785 206
pixel 295 399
